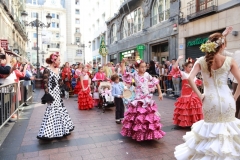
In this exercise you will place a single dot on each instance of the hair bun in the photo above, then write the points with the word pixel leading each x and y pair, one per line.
pixel 48 61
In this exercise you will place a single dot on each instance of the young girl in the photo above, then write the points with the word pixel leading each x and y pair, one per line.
pixel 188 107
pixel 85 101
pixel 140 121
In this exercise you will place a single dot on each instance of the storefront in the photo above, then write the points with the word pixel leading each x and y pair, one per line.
pixel 160 52
pixel 113 58
pixel 193 44
pixel 129 55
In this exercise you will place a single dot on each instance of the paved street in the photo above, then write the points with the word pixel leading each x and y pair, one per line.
pixel 96 136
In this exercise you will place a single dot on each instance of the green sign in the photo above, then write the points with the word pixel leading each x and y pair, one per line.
pixel 140 49
pixel 126 54
pixel 197 41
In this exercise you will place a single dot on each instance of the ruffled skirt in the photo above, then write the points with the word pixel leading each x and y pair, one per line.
pixel 85 101
pixel 77 88
pixel 142 123
pixel 211 141
pixel 188 111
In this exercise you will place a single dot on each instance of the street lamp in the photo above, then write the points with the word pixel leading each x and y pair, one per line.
pixel 37 23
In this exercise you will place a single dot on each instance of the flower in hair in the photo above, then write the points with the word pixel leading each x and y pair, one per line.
pixel 209 47
pixel 138 61
pixel 189 60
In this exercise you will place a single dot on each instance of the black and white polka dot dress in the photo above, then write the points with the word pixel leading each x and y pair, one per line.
pixel 56 121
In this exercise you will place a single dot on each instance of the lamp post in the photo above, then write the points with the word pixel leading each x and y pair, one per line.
pixel 37 23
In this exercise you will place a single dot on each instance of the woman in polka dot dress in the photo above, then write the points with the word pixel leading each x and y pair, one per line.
pixel 142 121
pixel 56 121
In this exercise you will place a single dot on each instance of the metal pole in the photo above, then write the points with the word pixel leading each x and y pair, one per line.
pixel 38 70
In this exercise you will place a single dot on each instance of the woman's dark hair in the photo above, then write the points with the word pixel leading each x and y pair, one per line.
pixel 152 64
pixel 99 68
pixel 152 69
pixel 217 38
pixel 189 61
pixel 49 59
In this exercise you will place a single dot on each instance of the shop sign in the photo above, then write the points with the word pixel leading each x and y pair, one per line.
pixel 128 53
pixel 197 41
pixel 4 44
pixel 140 47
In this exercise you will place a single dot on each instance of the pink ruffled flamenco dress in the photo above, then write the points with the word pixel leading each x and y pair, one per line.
pixel 141 121
pixel 188 108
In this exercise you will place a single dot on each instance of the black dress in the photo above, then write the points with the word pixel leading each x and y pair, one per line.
pixel 56 122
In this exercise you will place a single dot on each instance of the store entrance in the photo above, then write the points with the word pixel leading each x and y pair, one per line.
pixel 160 52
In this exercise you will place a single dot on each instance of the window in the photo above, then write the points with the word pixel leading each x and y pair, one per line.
pixel 53 24
pixel 77 30
pixel 34 2
pixel 77 39
pixel 57 25
pixel 34 14
pixel 93 45
pixel 77 21
pixel 34 35
pixel 57 35
pixel 53 15
pixel 77 2
pixel 79 52
pixel 57 16
pixel 77 11
pixel 54 45
pixel 203 4
pixel 160 11
pixel 132 23
pixel 113 33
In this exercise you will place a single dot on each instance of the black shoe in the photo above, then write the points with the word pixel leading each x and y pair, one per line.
pixel 25 104
pixel 118 121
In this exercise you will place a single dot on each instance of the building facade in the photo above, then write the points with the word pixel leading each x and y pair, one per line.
pixel 94 15
pixel 147 28
pixel 75 47
pixel 11 26
pixel 52 39
pixel 199 19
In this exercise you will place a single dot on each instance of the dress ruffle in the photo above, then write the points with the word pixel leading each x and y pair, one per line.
pixel 188 111
pixel 77 87
pixel 142 123
pixel 85 101
pixel 211 141
pixel 47 98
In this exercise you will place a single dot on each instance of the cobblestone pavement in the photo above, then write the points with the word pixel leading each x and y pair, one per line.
pixel 96 136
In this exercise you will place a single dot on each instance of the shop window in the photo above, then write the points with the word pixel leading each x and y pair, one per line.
pixel 132 23
pixel 160 11
pixel 113 33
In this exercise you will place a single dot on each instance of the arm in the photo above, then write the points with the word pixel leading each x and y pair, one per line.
pixel 175 66
pixel 123 67
pixel 114 94
pixel 46 75
pixel 5 69
pixel 193 73
pixel 159 92
pixel 236 73
pixel 81 81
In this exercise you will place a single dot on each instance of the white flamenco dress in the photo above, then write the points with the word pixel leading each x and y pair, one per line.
pixel 217 137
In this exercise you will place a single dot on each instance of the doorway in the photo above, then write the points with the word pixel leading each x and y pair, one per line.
pixel 160 52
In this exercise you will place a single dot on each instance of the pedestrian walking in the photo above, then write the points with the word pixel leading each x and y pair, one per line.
pixel 217 136
pixel 117 92
pixel 188 108
pixel 56 121
pixel 141 121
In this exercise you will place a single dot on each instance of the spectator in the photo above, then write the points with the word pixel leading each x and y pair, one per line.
pixel 176 82
pixel 5 67
pixel 152 69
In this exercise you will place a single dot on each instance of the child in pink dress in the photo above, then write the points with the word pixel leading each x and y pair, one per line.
pixel 141 121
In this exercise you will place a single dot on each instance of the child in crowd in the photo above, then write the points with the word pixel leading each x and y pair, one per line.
pixel 117 92
pixel 141 121
pixel 188 106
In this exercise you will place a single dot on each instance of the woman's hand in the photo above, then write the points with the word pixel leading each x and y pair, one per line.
pixel 180 57
pixel 227 31
pixel 160 96
pixel 202 97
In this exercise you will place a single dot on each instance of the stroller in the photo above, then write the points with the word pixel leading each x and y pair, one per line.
pixel 106 100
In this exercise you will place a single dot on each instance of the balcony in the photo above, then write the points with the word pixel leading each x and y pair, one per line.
pixel 197 9
pixel 20 28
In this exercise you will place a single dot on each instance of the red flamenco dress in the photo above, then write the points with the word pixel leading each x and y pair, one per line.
pixel 85 101
pixel 188 108
pixel 78 86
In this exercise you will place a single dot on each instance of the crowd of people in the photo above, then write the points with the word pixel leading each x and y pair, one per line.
pixel 212 115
